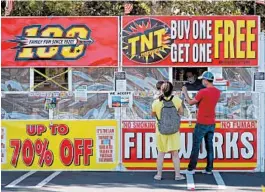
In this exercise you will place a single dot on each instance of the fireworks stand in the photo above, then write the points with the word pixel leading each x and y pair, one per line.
pixel 78 97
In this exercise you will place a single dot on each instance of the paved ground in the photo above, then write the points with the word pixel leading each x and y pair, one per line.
pixel 128 182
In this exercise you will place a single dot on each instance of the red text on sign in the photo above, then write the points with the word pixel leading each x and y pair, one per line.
pixel 16 144
pixel 62 129
pixel 28 152
pixel 70 152
pixel 35 130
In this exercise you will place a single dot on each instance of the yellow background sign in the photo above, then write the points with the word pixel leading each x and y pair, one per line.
pixel 55 145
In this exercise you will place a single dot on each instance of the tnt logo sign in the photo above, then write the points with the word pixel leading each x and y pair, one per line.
pixel 146 40
pixel 52 42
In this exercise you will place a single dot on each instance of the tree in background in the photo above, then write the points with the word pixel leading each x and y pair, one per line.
pixel 115 8
pixel 75 8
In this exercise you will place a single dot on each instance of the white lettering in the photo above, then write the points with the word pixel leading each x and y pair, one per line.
pixel 209 52
pixel 177 52
pixel 195 29
pixel 128 145
pixel 225 145
pixel 248 152
pixel 150 145
pixel 217 145
pixel 180 29
pixel 209 29
pixel 173 29
pixel 202 29
pixel 231 145
pixel 202 52
pixel 139 146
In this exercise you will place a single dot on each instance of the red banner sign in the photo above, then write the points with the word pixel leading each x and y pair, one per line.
pixel 190 41
pixel 60 41
pixel 235 146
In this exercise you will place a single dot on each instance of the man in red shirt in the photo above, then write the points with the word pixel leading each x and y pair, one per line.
pixel 206 99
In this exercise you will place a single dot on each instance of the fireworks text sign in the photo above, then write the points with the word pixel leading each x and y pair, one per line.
pixel 235 146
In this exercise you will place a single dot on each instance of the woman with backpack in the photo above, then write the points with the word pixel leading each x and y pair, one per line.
pixel 167 110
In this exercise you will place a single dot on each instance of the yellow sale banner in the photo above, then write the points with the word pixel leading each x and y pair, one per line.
pixel 59 144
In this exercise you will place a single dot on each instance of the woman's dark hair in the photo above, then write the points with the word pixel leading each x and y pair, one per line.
pixel 159 84
pixel 167 89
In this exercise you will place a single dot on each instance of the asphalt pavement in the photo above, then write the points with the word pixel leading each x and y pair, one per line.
pixel 79 181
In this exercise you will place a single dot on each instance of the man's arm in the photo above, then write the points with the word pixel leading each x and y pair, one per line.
pixel 188 99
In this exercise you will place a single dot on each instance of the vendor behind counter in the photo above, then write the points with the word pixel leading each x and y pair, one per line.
pixel 188 78
pixel 193 83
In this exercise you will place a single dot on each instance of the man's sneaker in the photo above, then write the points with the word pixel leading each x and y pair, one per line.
pixel 192 172
pixel 207 172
